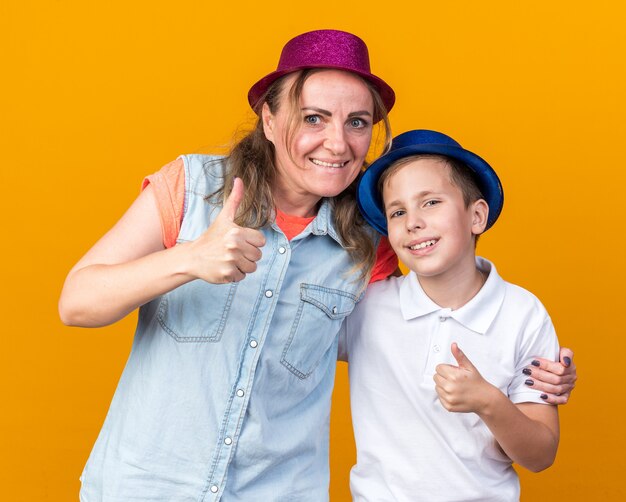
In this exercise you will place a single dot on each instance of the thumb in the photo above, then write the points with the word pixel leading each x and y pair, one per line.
pixel 232 203
pixel 460 357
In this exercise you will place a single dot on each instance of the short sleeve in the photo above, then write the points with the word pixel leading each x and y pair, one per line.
pixel 386 261
pixel 542 342
pixel 168 185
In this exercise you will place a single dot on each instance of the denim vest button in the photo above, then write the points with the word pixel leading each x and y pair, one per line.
pixel 254 344
pixel 214 489
pixel 281 250
pixel 228 441
pixel 240 393
pixel 269 293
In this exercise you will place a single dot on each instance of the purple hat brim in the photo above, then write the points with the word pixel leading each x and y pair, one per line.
pixel 257 91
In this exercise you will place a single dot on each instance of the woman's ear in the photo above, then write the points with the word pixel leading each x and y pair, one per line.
pixel 268 122
pixel 480 213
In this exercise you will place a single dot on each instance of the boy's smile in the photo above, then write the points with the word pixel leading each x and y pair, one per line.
pixel 426 244
pixel 430 228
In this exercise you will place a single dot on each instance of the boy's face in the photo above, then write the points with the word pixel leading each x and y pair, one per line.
pixel 430 229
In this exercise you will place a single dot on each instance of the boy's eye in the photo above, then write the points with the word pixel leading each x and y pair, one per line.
pixel 397 213
pixel 312 119
pixel 429 203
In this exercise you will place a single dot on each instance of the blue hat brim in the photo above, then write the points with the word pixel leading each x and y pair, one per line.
pixel 370 201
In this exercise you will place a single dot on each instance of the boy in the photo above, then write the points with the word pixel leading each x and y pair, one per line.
pixel 440 394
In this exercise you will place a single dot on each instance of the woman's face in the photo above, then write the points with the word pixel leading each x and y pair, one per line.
pixel 332 135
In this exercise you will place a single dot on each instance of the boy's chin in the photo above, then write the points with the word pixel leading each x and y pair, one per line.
pixel 420 269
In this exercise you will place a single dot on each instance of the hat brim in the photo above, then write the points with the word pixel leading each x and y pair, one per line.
pixel 370 201
pixel 257 91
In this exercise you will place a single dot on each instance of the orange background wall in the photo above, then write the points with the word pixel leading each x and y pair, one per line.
pixel 94 95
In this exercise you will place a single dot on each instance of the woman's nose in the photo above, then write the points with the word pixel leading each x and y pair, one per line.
pixel 335 140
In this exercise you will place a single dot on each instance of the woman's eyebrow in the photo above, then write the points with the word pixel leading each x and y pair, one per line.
pixel 321 111
pixel 327 113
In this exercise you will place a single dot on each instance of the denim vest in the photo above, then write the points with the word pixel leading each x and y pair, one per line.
pixel 226 392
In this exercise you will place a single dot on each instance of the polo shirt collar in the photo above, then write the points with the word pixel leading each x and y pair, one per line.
pixel 477 315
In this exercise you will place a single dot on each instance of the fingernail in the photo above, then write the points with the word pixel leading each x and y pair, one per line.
pixel 567 361
pixel 535 362
pixel 544 396
pixel 529 382
pixel 526 371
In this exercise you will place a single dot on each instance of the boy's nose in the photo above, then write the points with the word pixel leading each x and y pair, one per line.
pixel 415 222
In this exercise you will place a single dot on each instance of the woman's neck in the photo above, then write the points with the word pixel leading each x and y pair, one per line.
pixel 294 203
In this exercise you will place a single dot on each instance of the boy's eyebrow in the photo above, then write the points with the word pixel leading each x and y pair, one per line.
pixel 419 195
pixel 327 113
pixel 391 204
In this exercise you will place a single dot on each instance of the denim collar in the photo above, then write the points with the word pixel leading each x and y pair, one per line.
pixel 323 224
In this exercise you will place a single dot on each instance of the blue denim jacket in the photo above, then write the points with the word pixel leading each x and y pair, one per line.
pixel 226 393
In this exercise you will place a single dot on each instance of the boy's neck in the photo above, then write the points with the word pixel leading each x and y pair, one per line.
pixel 454 290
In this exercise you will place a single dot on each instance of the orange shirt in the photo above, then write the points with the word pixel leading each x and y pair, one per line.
pixel 168 185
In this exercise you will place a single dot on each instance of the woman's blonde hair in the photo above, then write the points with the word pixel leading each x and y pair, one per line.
pixel 252 160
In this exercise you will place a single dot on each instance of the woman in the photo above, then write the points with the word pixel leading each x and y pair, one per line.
pixel 226 392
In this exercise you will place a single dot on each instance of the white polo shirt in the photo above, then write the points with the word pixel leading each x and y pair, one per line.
pixel 409 447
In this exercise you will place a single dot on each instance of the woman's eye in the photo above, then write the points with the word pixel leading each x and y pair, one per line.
pixel 357 123
pixel 312 119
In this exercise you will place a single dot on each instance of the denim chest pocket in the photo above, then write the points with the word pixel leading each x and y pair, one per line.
pixel 196 311
pixel 318 319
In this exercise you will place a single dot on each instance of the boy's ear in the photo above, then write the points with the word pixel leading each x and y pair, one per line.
pixel 268 122
pixel 480 213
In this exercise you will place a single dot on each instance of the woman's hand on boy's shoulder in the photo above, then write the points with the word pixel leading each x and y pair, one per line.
pixel 556 380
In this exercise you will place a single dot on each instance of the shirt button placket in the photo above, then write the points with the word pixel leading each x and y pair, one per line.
pixel 240 392
pixel 434 354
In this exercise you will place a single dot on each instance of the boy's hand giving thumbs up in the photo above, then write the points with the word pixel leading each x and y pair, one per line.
pixel 462 388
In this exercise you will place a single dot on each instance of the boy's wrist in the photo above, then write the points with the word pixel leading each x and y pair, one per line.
pixel 491 397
